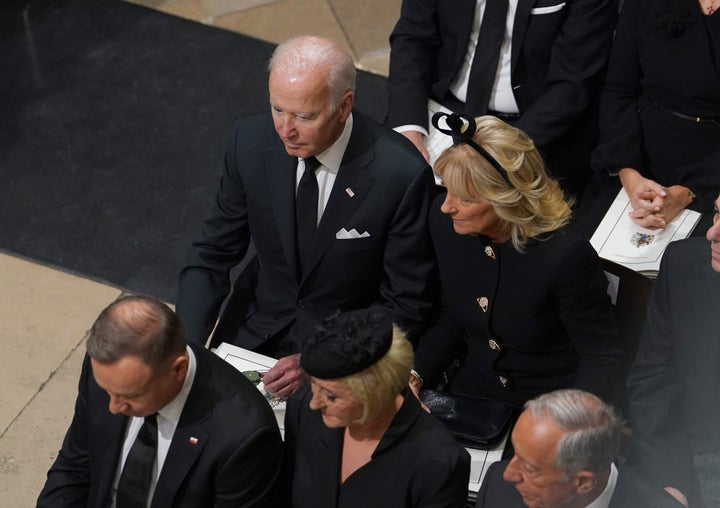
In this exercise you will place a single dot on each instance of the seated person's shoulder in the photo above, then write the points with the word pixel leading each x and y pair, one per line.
pixel 693 248
pixel 394 149
pixel 632 491
pixel 564 245
pixel 300 400
pixel 231 394
pixel 496 491
pixel 255 125
pixel 566 256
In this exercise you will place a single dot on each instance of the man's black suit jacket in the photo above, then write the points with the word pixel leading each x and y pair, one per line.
pixel 383 188
pixel 226 450
pixel 629 492
pixel 675 380
pixel 558 59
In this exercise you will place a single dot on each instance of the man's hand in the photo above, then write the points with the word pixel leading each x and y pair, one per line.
pixel 285 378
pixel 418 140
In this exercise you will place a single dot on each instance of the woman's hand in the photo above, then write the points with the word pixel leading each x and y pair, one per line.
pixel 654 206
pixel 415 384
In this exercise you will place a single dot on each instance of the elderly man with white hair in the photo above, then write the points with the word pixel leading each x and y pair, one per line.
pixel 565 445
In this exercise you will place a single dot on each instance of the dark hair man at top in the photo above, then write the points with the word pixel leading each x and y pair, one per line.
pixel 334 204
pixel 159 423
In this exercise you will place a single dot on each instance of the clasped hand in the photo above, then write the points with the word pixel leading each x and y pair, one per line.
pixel 654 206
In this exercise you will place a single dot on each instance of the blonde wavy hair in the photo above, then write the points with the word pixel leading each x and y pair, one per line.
pixel 531 205
pixel 376 385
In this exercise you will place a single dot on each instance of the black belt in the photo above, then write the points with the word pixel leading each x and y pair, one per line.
pixel 689 118
pixel 507 117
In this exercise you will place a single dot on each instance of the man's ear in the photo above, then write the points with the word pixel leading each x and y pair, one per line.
pixel 585 482
pixel 180 366
pixel 346 104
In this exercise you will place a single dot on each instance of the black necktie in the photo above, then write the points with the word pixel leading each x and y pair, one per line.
pixel 487 54
pixel 306 208
pixel 134 485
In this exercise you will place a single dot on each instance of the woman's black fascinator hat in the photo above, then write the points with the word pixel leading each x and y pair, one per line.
pixel 347 343
pixel 462 134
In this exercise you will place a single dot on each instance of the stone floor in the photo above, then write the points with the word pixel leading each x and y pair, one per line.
pixel 362 27
pixel 45 312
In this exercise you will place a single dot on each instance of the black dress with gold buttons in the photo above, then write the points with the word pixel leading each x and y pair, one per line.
pixel 531 322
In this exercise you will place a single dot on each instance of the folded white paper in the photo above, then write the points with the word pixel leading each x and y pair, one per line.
pixel 619 239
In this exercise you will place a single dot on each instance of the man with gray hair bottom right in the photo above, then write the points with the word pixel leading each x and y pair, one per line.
pixel 565 445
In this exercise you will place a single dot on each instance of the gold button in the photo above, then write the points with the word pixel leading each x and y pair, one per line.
pixel 483 302
pixel 494 345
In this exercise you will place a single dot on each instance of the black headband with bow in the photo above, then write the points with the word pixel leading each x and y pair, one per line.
pixel 455 123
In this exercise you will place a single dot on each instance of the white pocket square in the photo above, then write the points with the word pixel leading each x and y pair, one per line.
pixel 548 10
pixel 344 234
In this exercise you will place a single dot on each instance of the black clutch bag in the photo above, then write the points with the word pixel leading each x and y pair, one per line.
pixel 476 422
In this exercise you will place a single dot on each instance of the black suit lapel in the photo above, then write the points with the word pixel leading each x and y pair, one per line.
pixel 189 439
pixel 349 191
pixel 281 170
pixel 186 448
pixel 109 443
pixel 522 18
pixel 351 186
pixel 108 431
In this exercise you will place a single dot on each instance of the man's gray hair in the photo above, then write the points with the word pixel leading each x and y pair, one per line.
pixel 136 325
pixel 594 429
pixel 310 53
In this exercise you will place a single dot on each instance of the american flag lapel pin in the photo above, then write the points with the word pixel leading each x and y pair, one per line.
pixel 350 192
pixel 193 440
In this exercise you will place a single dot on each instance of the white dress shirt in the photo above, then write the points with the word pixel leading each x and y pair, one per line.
pixel 603 500
pixel 167 421
pixel 326 173
pixel 501 97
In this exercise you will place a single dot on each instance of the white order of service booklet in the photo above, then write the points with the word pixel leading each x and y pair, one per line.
pixel 619 239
